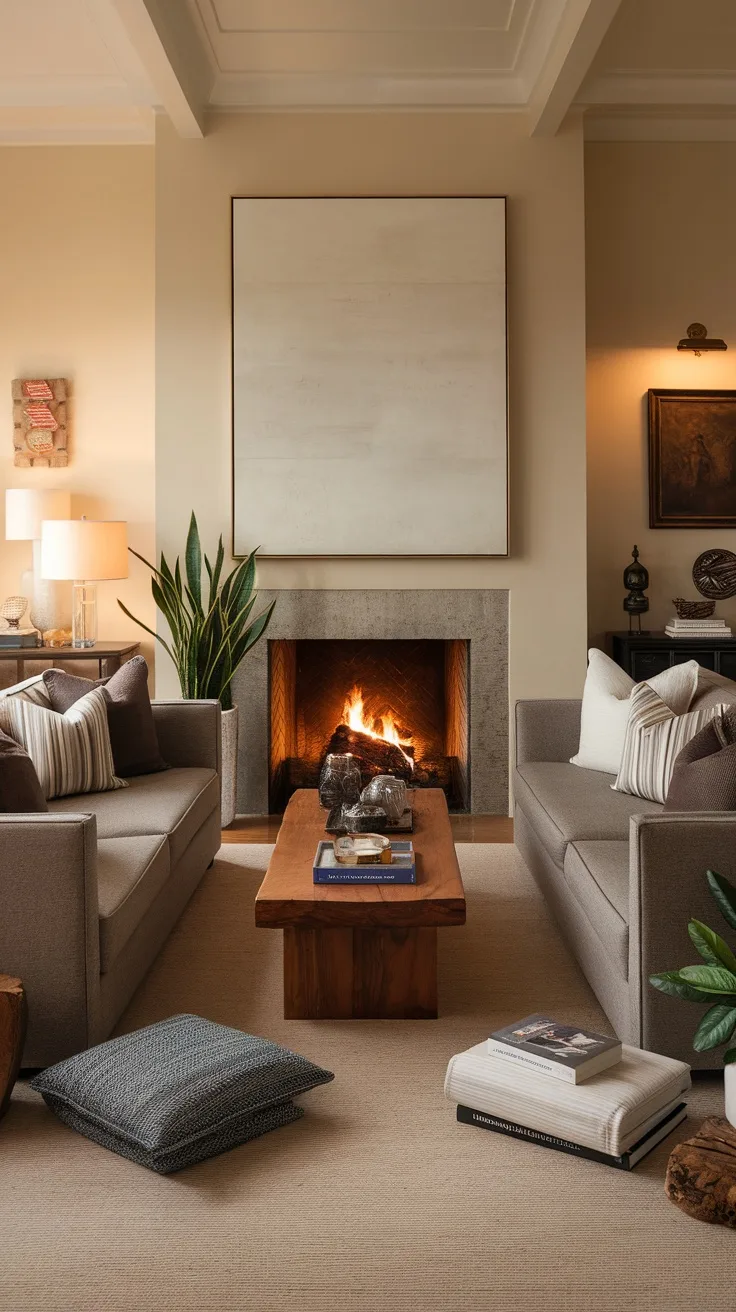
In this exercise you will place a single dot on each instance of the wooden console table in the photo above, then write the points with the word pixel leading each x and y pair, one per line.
pixel 109 656
pixel 361 951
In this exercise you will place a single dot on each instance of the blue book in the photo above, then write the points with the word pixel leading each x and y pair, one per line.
pixel 402 870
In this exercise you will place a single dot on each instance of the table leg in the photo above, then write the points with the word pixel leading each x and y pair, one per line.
pixel 20 669
pixel 360 974
pixel 108 665
pixel 13 1018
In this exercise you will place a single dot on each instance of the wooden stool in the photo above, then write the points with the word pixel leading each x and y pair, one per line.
pixel 701 1174
pixel 13 1018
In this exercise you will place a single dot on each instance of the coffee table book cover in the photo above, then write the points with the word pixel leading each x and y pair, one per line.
pixel 551 1047
pixel 328 870
pixel 623 1162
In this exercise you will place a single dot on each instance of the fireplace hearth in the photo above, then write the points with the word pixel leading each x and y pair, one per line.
pixel 400 707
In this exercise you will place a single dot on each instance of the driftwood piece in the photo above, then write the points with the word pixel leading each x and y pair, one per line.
pixel 376 755
pixel 13 1017
pixel 701 1174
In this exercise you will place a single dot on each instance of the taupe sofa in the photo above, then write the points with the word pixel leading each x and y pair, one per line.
pixel 621 877
pixel 90 891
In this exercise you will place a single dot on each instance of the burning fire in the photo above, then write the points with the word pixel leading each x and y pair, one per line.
pixel 383 726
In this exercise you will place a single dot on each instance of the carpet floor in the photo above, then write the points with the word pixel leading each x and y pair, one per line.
pixel 377 1201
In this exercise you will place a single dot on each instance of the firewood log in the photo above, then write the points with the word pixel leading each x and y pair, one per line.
pixel 374 754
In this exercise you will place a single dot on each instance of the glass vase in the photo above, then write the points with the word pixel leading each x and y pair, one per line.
pixel 339 782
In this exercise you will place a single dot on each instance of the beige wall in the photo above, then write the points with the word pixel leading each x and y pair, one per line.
pixel 660 254
pixel 77 279
pixel 412 154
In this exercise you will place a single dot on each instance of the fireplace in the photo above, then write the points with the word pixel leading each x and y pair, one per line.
pixel 399 705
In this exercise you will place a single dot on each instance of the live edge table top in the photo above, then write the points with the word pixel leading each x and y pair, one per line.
pixel 288 897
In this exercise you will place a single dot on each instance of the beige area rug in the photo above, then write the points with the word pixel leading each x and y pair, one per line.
pixel 377 1201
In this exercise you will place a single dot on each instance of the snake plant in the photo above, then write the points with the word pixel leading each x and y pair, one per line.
pixel 715 981
pixel 209 635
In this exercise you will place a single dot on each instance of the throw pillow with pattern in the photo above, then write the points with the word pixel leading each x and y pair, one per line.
pixel 655 736
pixel 71 753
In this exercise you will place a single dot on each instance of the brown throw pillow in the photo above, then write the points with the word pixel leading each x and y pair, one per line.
pixel 704 774
pixel 20 789
pixel 133 736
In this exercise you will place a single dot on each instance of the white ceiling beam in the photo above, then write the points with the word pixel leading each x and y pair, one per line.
pixel 166 42
pixel 582 27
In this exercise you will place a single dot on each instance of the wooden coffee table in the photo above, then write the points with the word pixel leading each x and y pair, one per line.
pixel 366 951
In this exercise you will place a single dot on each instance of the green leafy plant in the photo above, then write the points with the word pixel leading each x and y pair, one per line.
pixel 714 982
pixel 209 636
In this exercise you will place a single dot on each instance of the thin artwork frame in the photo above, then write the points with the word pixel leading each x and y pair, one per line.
pixel 692 458
pixel 365 555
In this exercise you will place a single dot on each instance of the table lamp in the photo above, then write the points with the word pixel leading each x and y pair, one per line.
pixel 25 510
pixel 85 551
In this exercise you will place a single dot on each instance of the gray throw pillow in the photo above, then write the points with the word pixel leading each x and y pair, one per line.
pixel 133 737
pixel 704 776
pixel 20 787
pixel 179 1091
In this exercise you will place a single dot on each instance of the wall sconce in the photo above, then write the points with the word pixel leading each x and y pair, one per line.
pixel 697 340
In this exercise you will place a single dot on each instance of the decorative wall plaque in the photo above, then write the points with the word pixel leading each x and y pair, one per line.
pixel 40 422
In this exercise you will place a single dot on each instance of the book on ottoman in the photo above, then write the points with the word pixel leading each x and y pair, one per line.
pixel 566 1052
pixel 609 1113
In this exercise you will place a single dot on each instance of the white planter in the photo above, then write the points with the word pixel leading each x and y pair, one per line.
pixel 229 765
pixel 729 1080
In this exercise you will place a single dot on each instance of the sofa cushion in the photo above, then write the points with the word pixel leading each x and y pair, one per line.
pixel 704 777
pixel 129 716
pixel 598 876
pixel 566 804
pixel 176 803
pixel 130 874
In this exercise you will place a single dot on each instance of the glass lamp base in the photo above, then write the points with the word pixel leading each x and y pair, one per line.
pixel 84 614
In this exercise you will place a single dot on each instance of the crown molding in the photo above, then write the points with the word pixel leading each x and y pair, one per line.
pixel 660 88
pixel 76 126
pixel 287 91
pixel 642 126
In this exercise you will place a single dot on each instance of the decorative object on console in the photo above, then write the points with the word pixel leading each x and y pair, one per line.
pixel 390 315
pixel 130 720
pixel 697 340
pixel 714 573
pixel 25 511
pixel 209 636
pixel 86 551
pixel 13 609
pixel 712 984
pixel 691 436
pixel 179 1091
pixel 712 628
pixel 40 422
pixel 693 610
pixel 13 1024
pixel 636 579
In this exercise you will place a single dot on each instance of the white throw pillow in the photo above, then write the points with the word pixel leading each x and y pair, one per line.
pixel 606 704
pixel 71 753
pixel 654 738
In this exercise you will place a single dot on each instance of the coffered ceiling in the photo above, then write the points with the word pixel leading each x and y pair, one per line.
pixel 100 70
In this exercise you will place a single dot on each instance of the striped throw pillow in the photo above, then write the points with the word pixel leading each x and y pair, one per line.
pixel 654 738
pixel 30 690
pixel 71 752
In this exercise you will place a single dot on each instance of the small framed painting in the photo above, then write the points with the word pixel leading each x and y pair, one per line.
pixel 692 458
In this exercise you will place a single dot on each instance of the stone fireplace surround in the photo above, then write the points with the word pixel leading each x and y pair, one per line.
pixel 479 616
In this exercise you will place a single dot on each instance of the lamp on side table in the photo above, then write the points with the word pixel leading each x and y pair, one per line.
pixel 86 551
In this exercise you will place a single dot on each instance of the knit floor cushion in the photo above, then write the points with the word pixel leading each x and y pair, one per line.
pixel 179 1091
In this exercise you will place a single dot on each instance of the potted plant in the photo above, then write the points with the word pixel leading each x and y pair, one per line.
pixel 712 984
pixel 209 635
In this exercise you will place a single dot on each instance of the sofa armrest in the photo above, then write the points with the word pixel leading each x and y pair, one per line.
pixel 189 732
pixel 547 730
pixel 669 856
pixel 49 927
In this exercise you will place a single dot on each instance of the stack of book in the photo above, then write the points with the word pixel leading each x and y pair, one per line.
pixel 707 628
pixel 12 638
pixel 570 1089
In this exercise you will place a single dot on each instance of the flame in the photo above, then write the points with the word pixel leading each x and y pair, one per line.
pixel 383 727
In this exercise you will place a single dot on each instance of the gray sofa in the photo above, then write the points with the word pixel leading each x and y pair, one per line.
pixel 90 891
pixel 621 877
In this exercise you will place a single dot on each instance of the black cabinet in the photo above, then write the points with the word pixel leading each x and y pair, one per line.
pixel 645 654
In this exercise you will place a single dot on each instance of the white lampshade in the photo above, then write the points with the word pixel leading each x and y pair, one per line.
pixel 84 549
pixel 27 507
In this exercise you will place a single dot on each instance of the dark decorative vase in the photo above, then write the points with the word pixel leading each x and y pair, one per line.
pixel 636 579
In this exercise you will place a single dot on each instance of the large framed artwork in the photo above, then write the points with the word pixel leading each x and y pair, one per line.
pixel 370 376
pixel 692 458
